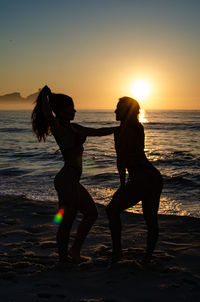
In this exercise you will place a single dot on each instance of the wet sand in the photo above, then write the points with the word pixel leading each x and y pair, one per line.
pixel 29 269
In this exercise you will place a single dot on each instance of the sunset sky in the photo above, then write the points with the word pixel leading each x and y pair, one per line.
pixel 94 50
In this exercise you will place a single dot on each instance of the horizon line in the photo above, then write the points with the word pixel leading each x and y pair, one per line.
pixel 98 109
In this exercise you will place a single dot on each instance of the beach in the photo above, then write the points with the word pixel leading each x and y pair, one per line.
pixel 29 268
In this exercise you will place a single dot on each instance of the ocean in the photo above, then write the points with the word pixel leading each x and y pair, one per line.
pixel 172 140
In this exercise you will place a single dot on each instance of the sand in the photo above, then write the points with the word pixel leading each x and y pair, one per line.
pixel 29 269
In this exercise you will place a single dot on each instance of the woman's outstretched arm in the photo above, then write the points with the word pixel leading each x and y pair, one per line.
pixel 86 131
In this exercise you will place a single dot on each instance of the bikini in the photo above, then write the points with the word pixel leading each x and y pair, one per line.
pixel 71 147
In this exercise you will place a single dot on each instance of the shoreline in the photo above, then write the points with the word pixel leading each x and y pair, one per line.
pixel 137 208
pixel 29 268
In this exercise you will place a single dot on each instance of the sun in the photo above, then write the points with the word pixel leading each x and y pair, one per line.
pixel 140 89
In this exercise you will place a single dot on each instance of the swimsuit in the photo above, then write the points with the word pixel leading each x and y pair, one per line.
pixel 71 146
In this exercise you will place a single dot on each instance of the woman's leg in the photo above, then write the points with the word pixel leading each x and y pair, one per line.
pixel 64 229
pixel 150 205
pixel 113 213
pixel 68 197
pixel 122 199
pixel 87 207
pixel 150 210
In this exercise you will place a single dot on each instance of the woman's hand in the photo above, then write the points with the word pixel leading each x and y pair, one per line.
pixel 46 90
pixel 46 108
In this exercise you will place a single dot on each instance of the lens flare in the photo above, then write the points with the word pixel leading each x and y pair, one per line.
pixel 58 217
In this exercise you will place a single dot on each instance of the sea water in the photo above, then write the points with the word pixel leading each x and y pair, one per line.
pixel 172 140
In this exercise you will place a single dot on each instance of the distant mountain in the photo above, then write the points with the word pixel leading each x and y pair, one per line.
pixel 16 96
pixel 16 101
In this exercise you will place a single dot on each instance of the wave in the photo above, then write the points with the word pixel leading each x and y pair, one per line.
pixel 151 125
pixel 97 124
pixel 173 126
pixel 15 130
pixel 178 158
pixel 12 172
pixel 183 181
pixel 101 179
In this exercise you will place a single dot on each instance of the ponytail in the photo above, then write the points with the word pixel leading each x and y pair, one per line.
pixel 40 123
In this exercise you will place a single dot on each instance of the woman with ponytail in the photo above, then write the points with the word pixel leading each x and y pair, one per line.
pixel 53 113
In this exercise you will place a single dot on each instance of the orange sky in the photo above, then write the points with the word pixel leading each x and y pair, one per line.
pixel 96 50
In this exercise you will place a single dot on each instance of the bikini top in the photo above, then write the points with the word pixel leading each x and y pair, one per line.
pixel 69 140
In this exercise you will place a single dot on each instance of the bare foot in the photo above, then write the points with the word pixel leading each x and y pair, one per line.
pixel 146 260
pixel 116 256
pixel 78 260
pixel 75 257
pixel 63 259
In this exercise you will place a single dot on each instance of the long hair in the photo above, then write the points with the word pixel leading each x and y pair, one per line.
pixel 40 124
pixel 131 135
pixel 130 108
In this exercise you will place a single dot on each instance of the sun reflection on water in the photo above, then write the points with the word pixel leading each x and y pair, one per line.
pixel 166 207
pixel 142 117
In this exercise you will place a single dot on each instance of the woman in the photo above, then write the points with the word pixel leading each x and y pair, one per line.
pixel 54 113
pixel 144 180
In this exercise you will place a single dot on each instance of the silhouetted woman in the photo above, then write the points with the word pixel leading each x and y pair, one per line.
pixel 53 113
pixel 144 180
